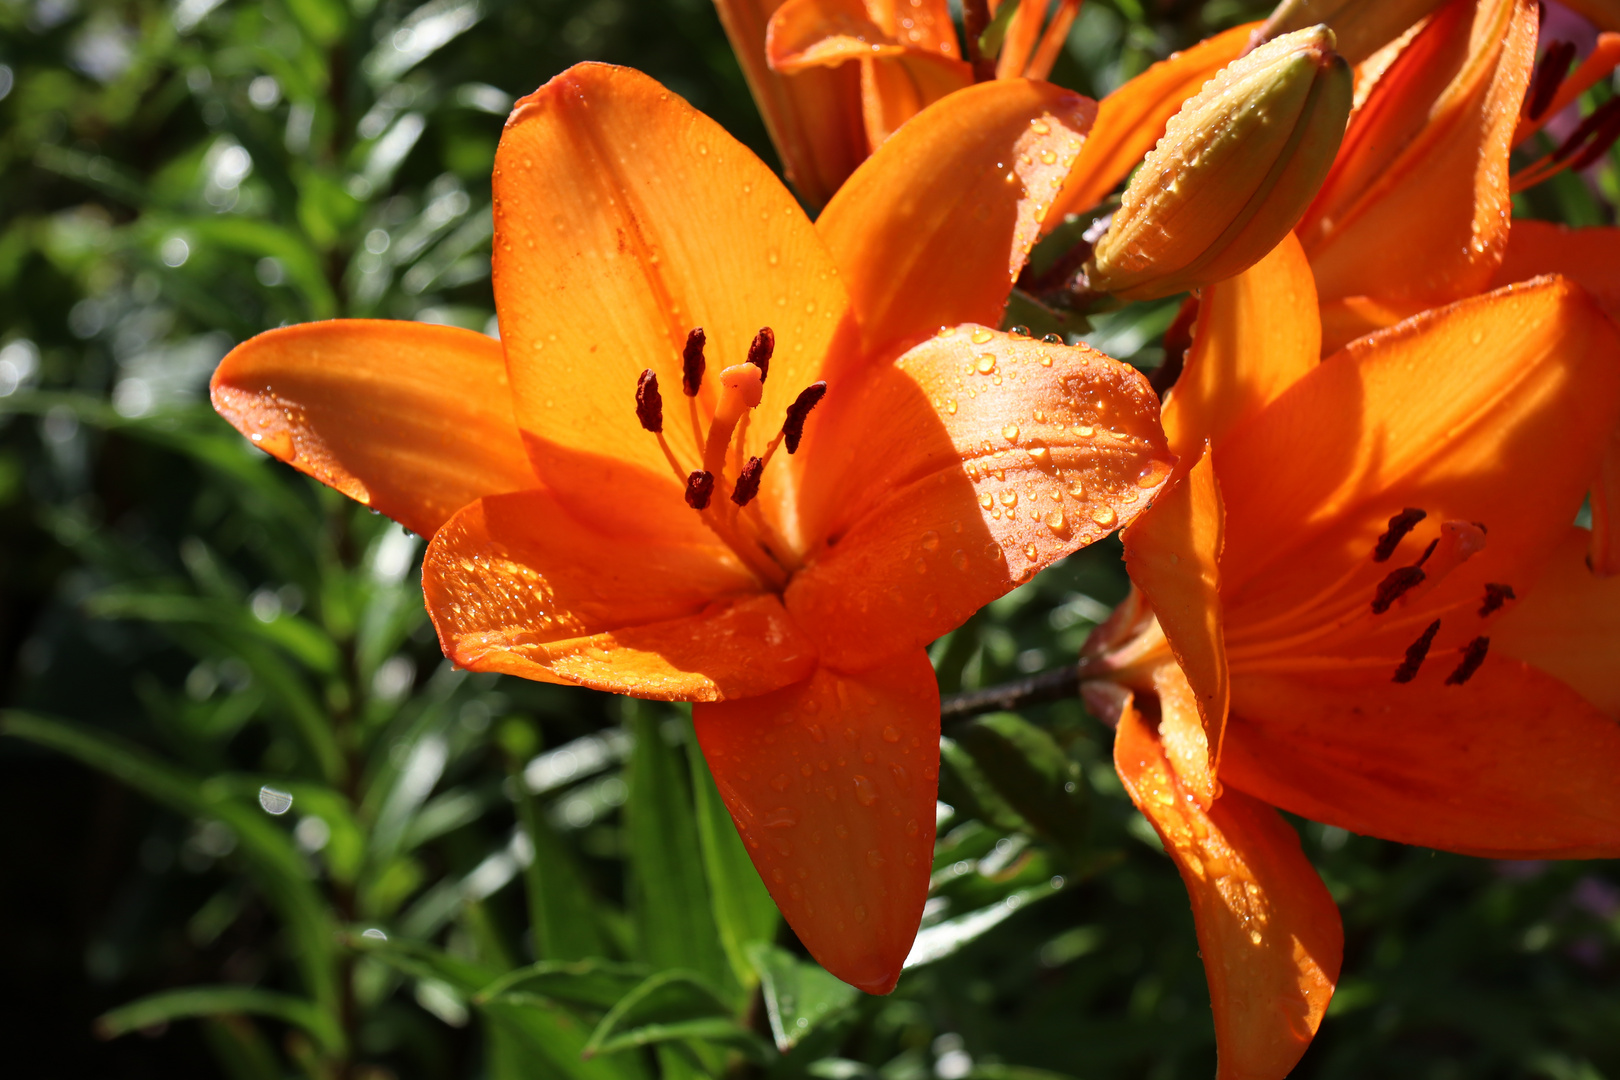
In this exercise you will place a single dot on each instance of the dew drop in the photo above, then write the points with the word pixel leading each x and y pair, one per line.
pixel 1085 431
pixel 874 858
pixel 1104 516
pixel 1040 127
pixel 981 335
pixel 890 734
pixel 783 817
pixel 865 791
pixel 950 406
pixel 986 500
pixel 1009 498
pixel 959 559
pixel 930 540
pixel 1041 456
pixel 1054 521
pixel 1010 433
pixel 1048 157
pixel 986 364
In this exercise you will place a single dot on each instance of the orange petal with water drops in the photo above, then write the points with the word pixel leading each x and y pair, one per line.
pixel 624 218
pixel 941 480
pixel 1270 936
pixel 414 421
pixel 894 90
pixel 1350 317
pixel 934 228
pixel 1256 334
pixel 814 117
pixel 922 24
pixel 1510 764
pixel 1132 118
pixel 518 585
pixel 1425 159
pixel 1173 554
pixel 1492 410
pixel 832 783
pixel 1568 625
pixel 1588 256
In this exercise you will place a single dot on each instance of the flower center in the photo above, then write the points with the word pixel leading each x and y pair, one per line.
pixel 735 518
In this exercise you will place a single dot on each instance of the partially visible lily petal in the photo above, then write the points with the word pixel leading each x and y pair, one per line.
pixel 944 479
pixel 1604 557
pixel 627 218
pixel 1270 936
pixel 1132 118
pixel 1256 334
pixel 825 33
pixel 1568 625
pixel 414 421
pixel 516 584
pixel 1173 554
pixel 1426 159
pixel 934 228
pixel 832 783
pixel 1588 256
pixel 1510 764
pixel 894 91
pixel 814 117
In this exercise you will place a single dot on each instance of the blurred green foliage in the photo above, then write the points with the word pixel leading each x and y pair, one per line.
pixel 257 827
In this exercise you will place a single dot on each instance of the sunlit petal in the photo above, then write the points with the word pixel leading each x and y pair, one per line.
pixel 1569 626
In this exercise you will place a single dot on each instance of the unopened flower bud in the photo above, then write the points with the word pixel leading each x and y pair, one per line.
pixel 1235 171
pixel 1362 27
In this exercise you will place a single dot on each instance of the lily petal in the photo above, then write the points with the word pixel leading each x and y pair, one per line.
pixel 1270 936
pixel 1256 334
pixel 1511 764
pixel 943 479
pixel 825 33
pixel 1604 558
pixel 1132 118
pixel 1173 554
pixel 832 782
pixel 934 228
pixel 1588 256
pixel 814 117
pixel 1494 410
pixel 517 584
pixel 924 24
pixel 1568 625
pixel 1425 159
pixel 627 218
pixel 895 90
pixel 414 421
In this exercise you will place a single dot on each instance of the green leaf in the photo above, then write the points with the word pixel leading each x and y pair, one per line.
pixel 962 784
pixel 715 1029
pixel 561 913
pixel 322 20
pixel 666 1006
pixel 994 34
pixel 280 872
pixel 1031 773
pixel 743 909
pixel 942 939
pixel 670 898
pixel 198 1001
pixel 799 997
pixel 597 983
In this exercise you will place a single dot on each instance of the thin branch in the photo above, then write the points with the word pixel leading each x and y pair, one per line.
pixel 1059 684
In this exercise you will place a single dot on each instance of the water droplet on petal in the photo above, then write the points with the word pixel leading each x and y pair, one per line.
pixel 1104 516
pixel 981 335
pixel 865 791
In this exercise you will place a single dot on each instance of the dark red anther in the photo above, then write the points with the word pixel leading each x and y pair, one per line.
pixel 1591 137
pixel 692 362
pixel 1550 75
pixel 1473 655
pixel 759 353
pixel 748 482
pixel 1415 654
pixel 1495 597
pixel 1397 584
pixel 649 402
pixel 793 426
pixel 699 489
pixel 1399 525
pixel 1423 558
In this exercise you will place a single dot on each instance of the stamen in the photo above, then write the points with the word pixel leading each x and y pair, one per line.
pixel 1473 655
pixel 748 482
pixel 692 362
pixel 649 402
pixel 1550 74
pixel 1415 654
pixel 1394 586
pixel 1495 597
pixel 699 489
pixel 759 353
pixel 1399 525
pixel 793 426
pixel 740 390
pixel 1423 558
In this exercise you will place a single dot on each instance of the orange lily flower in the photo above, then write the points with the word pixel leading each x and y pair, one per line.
pixel 630 490
pixel 1367 608
pixel 881 61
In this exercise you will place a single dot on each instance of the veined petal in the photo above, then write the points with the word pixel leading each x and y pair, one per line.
pixel 1270 936
pixel 1173 553
pixel 1588 256
pixel 414 421
pixel 832 783
pixel 893 90
pixel 1256 334
pixel 824 33
pixel 1493 410
pixel 517 584
pixel 934 228
pixel 1568 625
pixel 1510 764
pixel 814 117
pixel 1425 159
pixel 942 480
pixel 1351 317
pixel 1133 118
pixel 624 218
